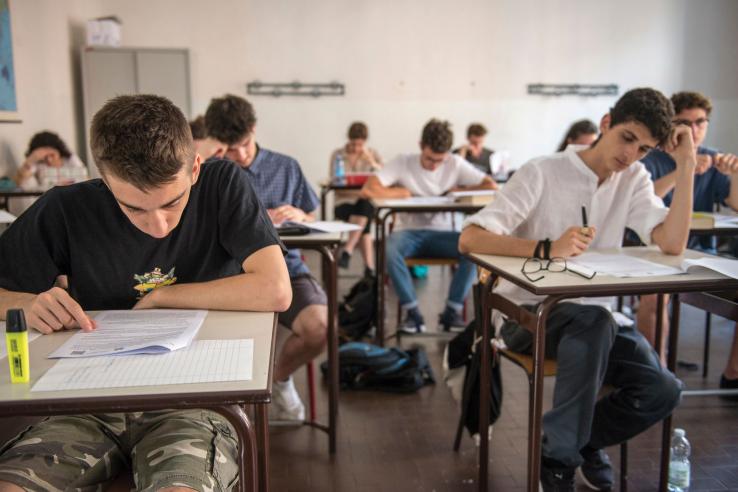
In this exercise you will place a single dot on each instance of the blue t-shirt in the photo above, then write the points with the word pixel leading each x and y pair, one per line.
pixel 709 188
pixel 278 180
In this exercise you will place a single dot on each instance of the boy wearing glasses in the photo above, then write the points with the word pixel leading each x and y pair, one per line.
pixel 715 181
pixel 538 214
pixel 432 172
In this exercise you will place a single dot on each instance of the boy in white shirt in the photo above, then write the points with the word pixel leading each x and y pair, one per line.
pixel 541 201
pixel 432 172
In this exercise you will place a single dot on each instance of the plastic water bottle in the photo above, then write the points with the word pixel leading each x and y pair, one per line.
pixel 339 170
pixel 679 464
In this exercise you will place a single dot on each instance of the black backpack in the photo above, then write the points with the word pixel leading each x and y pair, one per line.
pixel 366 366
pixel 357 311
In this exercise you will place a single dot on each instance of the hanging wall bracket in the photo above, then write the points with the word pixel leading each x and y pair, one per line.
pixel 589 90
pixel 257 88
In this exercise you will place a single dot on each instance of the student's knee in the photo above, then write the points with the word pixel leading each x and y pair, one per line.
pixel 311 326
pixel 663 394
pixel 598 324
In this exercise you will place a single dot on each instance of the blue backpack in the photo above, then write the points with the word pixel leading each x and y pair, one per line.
pixel 366 366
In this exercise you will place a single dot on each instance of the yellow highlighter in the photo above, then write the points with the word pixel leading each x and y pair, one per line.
pixel 16 338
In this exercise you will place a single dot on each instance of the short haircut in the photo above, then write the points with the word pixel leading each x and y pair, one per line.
pixel 142 139
pixel 437 136
pixel 358 130
pixel 197 127
pixel 690 100
pixel 648 107
pixel 576 130
pixel 48 139
pixel 229 119
pixel 476 130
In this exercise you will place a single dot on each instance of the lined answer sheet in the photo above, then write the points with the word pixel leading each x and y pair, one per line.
pixel 203 361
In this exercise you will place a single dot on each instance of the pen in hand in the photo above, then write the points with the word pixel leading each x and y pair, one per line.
pixel 585 225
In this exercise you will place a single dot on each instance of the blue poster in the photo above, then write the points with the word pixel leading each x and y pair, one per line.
pixel 8 100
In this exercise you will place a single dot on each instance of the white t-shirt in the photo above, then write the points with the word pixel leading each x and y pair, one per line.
pixel 405 170
pixel 545 197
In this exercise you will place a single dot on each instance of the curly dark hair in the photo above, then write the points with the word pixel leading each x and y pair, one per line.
pixel 690 100
pixel 142 139
pixel 229 118
pixel 648 107
pixel 358 130
pixel 437 136
pixel 476 130
pixel 577 129
pixel 48 139
pixel 197 127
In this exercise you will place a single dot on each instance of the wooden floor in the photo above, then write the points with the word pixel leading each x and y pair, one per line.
pixel 390 442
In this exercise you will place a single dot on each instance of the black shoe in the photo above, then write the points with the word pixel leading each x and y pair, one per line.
pixel 368 272
pixel 451 320
pixel 556 478
pixel 344 260
pixel 732 384
pixel 596 471
pixel 413 322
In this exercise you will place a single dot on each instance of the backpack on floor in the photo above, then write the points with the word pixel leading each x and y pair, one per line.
pixel 357 311
pixel 366 366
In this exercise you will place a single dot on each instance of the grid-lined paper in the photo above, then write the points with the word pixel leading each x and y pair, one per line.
pixel 203 361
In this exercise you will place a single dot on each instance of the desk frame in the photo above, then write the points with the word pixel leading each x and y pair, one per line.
pixel 327 249
pixel 6 195
pixel 537 324
pixel 327 187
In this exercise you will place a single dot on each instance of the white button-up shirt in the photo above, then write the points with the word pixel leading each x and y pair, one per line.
pixel 546 195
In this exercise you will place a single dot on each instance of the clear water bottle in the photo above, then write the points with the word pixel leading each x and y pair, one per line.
pixel 339 170
pixel 679 464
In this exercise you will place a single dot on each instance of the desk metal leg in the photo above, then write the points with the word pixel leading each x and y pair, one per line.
pixel 262 441
pixel 248 472
pixel 671 365
pixel 330 272
pixel 380 248
pixel 323 193
pixel 484 383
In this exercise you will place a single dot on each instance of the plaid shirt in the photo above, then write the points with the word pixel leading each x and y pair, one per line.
pixel 278 180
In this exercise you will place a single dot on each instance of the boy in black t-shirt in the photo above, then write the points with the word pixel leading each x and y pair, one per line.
pixel 155 213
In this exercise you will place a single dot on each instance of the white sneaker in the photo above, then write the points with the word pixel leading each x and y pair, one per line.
pixel 286 405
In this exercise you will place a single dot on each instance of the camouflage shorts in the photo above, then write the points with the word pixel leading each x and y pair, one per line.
pixel 192 448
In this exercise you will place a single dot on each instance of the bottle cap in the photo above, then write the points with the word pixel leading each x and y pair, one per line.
pixel 679 433
pixel 15 321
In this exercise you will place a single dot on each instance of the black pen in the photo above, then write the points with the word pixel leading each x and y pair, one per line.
pixel 585 226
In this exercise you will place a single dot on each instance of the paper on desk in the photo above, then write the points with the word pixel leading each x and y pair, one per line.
pixel 332 226
pixel 6 218
pixel 420 200
pixel 148 331
pixel 621 265
pixel 202 362
pixel 32 335
pixel 725 221
pixel 726 266
pixel 459 194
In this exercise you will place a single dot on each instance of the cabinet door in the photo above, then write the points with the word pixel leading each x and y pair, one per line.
pixel 165 73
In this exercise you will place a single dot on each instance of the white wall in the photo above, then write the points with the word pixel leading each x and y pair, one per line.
pixel 402 63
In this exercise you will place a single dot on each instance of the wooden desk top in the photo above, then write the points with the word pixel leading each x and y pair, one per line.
pixel 570 284
pixel 397 205
pixel 223 325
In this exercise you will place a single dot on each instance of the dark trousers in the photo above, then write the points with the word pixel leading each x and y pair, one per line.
pixel 592 350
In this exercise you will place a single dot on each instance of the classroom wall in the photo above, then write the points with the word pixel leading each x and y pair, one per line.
pixel 402 63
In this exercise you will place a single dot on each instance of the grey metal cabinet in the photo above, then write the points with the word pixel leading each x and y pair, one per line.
pixel 109 72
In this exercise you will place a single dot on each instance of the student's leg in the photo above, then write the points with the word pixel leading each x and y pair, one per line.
pixel 646 321
pixel 645 392
pixel 445 244
pixel 64 453
pixel 183 450
pixel 367 250
pixel 307 318
pixel 401 245
pixel 580 338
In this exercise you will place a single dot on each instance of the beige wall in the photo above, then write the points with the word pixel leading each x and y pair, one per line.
pixel 402 63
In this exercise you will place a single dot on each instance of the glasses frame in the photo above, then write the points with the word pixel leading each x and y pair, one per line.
pixel 545 265
pixel 698 123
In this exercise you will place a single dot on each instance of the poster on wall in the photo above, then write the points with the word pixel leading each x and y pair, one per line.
pixel 8 96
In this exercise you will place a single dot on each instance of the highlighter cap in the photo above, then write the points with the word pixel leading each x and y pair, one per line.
pixel 15 321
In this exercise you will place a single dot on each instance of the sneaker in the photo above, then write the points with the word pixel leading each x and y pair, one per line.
pixel 596 471
pixel 286 405
pixel 413 322
pixel 732 384
pixel 451 320
pixel 344 260
pixel 556 478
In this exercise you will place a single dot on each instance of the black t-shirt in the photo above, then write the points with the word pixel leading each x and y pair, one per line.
pixel 80 231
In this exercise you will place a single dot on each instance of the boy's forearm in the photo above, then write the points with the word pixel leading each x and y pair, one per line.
pixel 665 184
pixel 732 200
pixel 672 234
pixel 14 300
pixel 475 239
pixel 243 292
